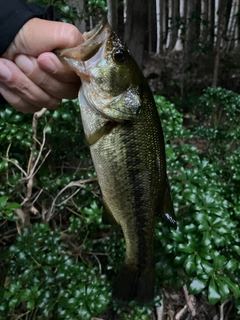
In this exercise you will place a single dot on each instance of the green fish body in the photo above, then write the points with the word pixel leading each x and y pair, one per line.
pixel 123 130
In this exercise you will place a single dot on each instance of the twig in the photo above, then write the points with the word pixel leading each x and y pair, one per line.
pixel 68 198
pixel 13 162
pixel 159 311
pixel 33 162
pixel 78 183
pixel 180 313
pixel 191 301
pixel 222 309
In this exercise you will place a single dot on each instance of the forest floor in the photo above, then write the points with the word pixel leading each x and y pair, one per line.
pixel 182 306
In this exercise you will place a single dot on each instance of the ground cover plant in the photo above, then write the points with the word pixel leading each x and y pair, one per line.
pixel 59 260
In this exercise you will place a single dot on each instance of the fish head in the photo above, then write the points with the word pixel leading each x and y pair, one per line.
pixel 111 79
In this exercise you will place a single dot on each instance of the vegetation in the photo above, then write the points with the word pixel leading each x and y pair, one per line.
pixel 63 260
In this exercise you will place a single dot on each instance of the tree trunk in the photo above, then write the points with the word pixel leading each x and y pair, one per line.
pixel 191 31
pixel 79 5
pixel 212 21
pixel 221 27
pixel 231 25
pixel 163 18
pixel 173 35
pixel 204 33
pixel 135 28
pixel 191 36
pixel 151 26
pixel 113 14
pixel 159 24
pixel 180 38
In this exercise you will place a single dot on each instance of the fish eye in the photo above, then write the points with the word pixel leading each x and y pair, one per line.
pixel 120 55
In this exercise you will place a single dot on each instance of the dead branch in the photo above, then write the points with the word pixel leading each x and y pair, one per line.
pixel 222 309
pixel 181 313
pixel 33 160
pixel 160 311
pixel 191 301
pixel 79 183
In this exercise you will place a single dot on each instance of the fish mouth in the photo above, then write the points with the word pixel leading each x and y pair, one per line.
pixel 94 40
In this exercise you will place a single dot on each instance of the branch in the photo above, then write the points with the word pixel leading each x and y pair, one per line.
pixel 78 183
pixel 191 301
pixel 222 309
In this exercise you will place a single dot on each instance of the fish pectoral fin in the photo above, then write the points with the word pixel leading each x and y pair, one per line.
pixel 103 131
pixel 107 216
pixel 168 209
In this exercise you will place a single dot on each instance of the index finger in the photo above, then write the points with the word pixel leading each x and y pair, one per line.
pixel 38 36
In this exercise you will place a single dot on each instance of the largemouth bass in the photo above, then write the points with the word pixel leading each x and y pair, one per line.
pixel 123 130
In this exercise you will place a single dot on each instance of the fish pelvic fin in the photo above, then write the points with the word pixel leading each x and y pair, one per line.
pixel 168 209
pixel 134 284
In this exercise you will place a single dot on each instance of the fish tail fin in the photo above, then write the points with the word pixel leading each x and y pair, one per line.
pixel 134 284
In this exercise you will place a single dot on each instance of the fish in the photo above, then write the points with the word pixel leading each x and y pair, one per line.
pixel 124 133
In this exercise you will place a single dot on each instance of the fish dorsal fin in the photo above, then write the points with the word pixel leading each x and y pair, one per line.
pixel 107 216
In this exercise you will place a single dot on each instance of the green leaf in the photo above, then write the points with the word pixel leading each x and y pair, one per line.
pixel 236 248
pixel 219 260
pixel 190 264
pixel 223 289
pixel 206 240
pixel 176 235
pixel 197 286
pixel 25 295
pixel 13 303
pixel 232 286
pixel 179 259
pixel 48 129
pixel 13 206
pixel 213 293
pixel 31 304
pixel 208 268
pixel 3 201
pixel 182 247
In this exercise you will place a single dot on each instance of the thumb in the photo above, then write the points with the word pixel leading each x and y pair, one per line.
pixel 38 36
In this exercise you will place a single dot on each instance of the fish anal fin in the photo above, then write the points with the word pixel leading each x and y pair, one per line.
pixel 165 207
pixel 107 216
pixel 168 209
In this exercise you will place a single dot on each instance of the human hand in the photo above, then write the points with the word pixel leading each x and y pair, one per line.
pixel 31 76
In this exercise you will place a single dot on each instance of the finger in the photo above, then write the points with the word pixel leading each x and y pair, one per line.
pixel 49 62
pixel 37 36
pixel 52 86
pixel 15 101
pixel 20 85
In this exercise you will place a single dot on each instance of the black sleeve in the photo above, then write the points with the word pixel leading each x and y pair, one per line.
pixel 14 14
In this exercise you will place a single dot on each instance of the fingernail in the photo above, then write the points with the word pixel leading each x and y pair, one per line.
pixel 25 63
pixel 5 72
